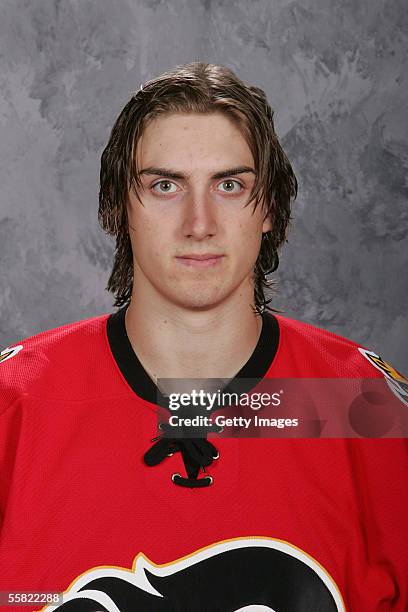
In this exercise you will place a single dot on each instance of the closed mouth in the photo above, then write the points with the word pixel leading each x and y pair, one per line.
pixel 200 257
pixel 203 261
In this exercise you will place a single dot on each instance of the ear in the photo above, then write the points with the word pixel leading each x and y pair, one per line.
pixel 267 224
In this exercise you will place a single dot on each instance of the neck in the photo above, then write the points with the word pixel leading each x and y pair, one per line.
pixel 174 342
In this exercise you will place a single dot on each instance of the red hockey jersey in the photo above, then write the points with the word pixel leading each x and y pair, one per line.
pixel 286 524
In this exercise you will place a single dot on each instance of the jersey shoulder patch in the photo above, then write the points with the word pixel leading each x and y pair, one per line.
pixel 395 380
pixel 10 352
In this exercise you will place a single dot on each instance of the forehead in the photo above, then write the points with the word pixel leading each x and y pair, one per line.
pixel 192 139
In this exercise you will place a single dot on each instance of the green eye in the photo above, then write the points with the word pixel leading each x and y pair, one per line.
pixel 164 187
pixel 231 186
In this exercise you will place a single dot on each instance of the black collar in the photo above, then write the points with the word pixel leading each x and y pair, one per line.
pixel 141 383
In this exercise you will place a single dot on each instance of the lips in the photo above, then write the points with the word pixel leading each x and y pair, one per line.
pixel 200 257
pixel 200 261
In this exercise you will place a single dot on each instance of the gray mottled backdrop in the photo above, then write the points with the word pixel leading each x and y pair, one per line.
pixel 336 75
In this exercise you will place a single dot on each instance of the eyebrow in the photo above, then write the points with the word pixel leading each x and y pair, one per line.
pixel 172 174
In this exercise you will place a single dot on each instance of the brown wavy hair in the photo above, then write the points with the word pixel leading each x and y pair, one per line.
pixel 196 88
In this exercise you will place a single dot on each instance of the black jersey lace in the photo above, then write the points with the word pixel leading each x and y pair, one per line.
pixel 197 454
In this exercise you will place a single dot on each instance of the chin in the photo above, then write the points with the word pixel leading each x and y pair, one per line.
pixel 198 300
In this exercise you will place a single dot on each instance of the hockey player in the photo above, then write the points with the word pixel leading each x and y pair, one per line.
pixel 100 503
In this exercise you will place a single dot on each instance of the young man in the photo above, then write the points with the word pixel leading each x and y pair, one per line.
pixel 99 503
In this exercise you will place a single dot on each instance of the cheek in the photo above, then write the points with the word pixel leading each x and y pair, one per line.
pixel 249 237
pixel 141 236
pixel 141 225
pixel 151 243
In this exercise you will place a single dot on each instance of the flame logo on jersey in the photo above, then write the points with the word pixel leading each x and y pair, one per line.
pixel 8 353
pixel 255 574
pixel 396 381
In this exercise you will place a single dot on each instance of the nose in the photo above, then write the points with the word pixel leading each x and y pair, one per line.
pixel 199 218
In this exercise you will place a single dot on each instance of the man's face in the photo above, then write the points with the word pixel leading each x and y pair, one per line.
pixel 194 241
